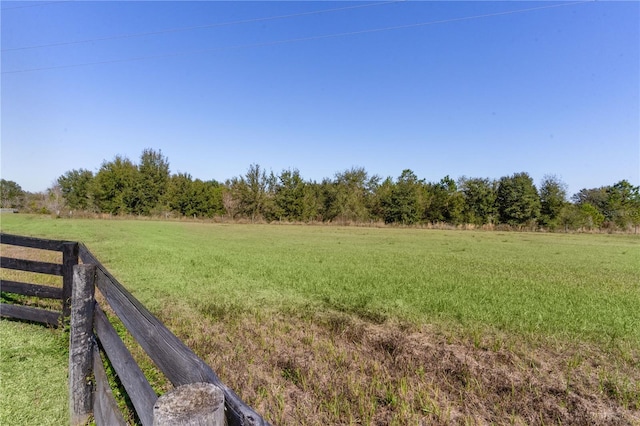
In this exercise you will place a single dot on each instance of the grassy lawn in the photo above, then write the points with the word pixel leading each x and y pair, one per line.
pixel 289 304
pixel 33 375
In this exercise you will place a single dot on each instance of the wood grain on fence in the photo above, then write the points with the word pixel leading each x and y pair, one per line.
pixel 105 407
pixel 69 260
pixel 27 313
pixel 81 344
pixel 31 242
pixel 36 290
pixel 140 392
pixel 31 266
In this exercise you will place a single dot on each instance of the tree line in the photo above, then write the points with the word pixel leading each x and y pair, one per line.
pixel 148 188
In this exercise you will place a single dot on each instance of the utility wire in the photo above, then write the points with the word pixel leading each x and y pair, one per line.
pixel 35 5
pixel 301 39
pixel 199 27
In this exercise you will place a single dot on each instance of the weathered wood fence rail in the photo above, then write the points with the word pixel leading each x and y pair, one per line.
pixel 92 337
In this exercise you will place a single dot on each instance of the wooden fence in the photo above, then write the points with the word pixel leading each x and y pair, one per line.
pixel 93 338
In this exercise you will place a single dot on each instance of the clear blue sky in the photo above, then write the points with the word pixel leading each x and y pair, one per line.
pixel 550 90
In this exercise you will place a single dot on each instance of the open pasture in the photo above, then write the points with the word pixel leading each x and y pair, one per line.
pixel 577 286
pixel 326 325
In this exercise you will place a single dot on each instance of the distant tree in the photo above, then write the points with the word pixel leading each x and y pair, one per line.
pixel 114 187
pixel 479 200
pixel 579 217
pixel 350 195
pixel 206 198
pixel 596 197
pixel 229 201
pixel 179 194
pixel 618 204
pixel 189 197
pixel 152 181
pixel 402 202
pixel 517 200
pixel 589 217
pixel 11 194
pixel 381 201
pixel 455 208
pixel 327 197
pixel 289 196
pixel 623 203
pixel 254 193
pixel 569 217
pixel 635 217
pixel 55 199
pixel 313 202
pixel 437 199
pixel 446 204
pixel 36 202
pixel 553 198
pixel 75 186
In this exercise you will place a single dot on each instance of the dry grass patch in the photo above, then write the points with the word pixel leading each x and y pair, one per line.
pixel 332 368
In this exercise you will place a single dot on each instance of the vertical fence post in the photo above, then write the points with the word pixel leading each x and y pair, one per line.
pixel 81 344
pixel 69 260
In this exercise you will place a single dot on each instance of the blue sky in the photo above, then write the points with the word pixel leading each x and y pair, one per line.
pixel 482 89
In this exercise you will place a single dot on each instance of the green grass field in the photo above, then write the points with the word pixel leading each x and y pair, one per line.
pixel 33 379
pixel 578 286
pixel 572 289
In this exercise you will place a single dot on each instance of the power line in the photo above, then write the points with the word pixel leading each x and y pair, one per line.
pixel 420 24
pixel 199 27
pixel 36 5
pixel 301 39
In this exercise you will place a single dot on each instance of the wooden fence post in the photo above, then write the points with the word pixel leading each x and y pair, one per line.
pixel 81 344
pixel 195 404
pixel 69 260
